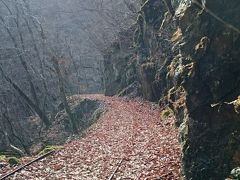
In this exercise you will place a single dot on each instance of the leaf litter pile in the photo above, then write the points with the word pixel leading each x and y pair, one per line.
pixel 129 142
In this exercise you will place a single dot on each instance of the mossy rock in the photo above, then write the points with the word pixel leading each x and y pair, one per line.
pixel 13 161
pixel 166 113
pixel 50 148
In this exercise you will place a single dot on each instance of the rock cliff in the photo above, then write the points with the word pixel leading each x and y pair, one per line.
pixel 186 55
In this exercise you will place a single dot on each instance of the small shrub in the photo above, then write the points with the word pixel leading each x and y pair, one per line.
pixel 13 161
pixel 49 148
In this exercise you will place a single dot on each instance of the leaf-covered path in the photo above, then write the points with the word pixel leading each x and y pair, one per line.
pixel 130 132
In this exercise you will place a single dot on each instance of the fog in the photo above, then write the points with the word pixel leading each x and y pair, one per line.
pixel 49 51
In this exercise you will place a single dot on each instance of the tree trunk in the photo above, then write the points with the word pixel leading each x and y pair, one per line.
pixel 73 123
pixel 36 108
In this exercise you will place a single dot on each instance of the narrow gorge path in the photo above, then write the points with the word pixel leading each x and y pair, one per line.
pixel 130 132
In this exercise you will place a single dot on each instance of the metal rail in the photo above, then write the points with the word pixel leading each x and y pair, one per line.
pixel 23 166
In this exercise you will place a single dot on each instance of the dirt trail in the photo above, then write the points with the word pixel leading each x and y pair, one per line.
pixel 130 131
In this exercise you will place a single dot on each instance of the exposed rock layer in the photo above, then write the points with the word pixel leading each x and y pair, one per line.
pixel 191 63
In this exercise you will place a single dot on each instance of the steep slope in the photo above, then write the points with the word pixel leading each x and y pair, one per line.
pixel 129 130
pixel 205 79
pixel 187 57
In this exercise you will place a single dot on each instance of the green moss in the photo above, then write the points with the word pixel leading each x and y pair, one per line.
pixel 3 158
pixel 166 113
pixel 13 161
pixel 49 148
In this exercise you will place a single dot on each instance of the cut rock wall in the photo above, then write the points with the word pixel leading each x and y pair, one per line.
pixel 190 62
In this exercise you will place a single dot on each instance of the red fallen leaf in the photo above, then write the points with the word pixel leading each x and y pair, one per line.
pixel 129 129
pixel 57 167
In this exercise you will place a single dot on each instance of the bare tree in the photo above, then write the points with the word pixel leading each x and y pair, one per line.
pixel 35 107
pixel 72 119
pixel 33 82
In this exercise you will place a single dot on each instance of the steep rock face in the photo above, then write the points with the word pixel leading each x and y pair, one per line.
pixel 153 48
pixel 190 62
pixel 200 82
pixel 206 79
pixel 119 66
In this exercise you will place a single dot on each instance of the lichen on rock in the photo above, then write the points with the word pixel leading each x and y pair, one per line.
pixel 190 62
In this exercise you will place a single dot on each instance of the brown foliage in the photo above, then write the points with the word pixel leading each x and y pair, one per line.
pixel 129 130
